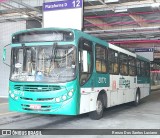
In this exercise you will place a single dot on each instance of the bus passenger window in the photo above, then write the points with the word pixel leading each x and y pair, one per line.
pixel 101 59
pixel 98 65
pixel 147 69
pixel 142 68
pixel 138 65
pixel 124 69
pixel 123 61
pixel 113 61
pixel 115 68
pixel 104 69
pixel 132 66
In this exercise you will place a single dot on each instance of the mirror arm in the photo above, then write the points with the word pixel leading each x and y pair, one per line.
pixel 6 45
pixel 6 64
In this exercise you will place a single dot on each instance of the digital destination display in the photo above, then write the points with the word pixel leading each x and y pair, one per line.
pixel 43 36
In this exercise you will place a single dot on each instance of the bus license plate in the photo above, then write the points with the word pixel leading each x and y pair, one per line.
pixel 35 106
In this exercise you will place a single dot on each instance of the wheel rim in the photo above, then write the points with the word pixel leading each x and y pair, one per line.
pixel 99 107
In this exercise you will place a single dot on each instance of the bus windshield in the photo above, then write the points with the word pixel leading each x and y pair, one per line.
pixel 55 63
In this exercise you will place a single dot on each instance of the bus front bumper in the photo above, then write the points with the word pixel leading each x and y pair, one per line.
pixel 45 105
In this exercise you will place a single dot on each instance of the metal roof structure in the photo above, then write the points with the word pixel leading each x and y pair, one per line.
pixel 119 20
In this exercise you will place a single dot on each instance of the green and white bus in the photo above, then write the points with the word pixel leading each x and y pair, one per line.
pixel 69 72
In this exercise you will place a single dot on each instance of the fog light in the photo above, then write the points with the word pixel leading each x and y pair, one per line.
pixel 64 97
pixel 57 100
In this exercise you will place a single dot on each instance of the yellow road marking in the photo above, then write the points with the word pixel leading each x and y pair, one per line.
pixel 3 103
pixel 7 113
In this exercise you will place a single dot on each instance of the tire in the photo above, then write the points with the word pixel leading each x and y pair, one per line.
pixel 98 113
pixel 137 99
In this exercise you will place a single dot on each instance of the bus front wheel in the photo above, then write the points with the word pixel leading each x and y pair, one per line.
pixel 98 113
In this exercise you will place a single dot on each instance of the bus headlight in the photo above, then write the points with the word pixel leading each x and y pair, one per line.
pixel 57 100
pixel 64 97
pixel 12 95
pixel 70 93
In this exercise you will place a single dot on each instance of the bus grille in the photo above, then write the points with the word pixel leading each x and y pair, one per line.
pixel 37 88
pixel 38 99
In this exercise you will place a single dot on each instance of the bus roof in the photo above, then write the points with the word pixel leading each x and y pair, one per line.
pixel 92 38
pixel 88 36
pixel 142 58
pixel 42 29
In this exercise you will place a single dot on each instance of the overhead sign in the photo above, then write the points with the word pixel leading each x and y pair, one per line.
pixel 63 14
pixel 59 5
pixel 144 50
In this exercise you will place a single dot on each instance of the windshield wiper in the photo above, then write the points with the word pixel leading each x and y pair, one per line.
pixel 53 54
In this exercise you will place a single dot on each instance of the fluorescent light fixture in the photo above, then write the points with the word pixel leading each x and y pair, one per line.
pixel 25 16
pixel 150 36
pixel 111 1
pixel 120 10
pixel 155 5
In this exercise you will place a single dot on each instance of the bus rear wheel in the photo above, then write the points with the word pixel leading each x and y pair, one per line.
pixel 98 113
pixel 137 99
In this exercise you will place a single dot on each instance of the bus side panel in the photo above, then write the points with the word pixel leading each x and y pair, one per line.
pixel 88 100
pixel 144 84
pixel 129 88
pixel 90 91
pixel 122 89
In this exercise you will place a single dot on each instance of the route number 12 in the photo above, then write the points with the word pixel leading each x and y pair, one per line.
pixel 76 3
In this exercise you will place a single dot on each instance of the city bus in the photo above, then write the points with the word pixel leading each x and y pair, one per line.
pixel 68 72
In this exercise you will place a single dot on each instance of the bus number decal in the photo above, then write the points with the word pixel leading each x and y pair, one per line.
pixel 102 80
pixel 20 93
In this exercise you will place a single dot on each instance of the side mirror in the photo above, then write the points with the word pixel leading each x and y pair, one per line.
pixel 4 54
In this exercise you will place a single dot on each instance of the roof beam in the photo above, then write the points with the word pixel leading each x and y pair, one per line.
pixel 139 20
pixel 26 5
pixel 98 23
pixel 21 12
pixel 116 30
pixel 127 5
pixel 103 3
